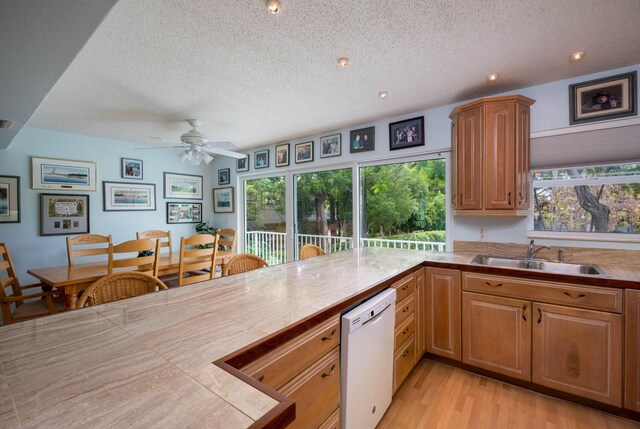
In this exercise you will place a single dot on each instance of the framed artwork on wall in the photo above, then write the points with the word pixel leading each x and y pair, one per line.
pixel 224 176
pixel 184 212
pixel 331 146
pixel 223 200
pixel 63 214
pixel 9 199
pixel 124 196
pixel 242 164
pixel 185 186
pixel 62 174
pixel 282 155
pixel 304 152
pixel 131 168
pixel 362 140
pixel 408 133
pixel 261 159
pixel 603 99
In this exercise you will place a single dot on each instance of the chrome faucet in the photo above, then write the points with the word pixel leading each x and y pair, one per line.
pixel 532 251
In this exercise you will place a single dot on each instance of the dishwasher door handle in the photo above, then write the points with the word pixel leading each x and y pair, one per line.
pixel 377 316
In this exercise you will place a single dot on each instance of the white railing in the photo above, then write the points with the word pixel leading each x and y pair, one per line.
pixel 403 244
pixel 270 246
pixel 328 243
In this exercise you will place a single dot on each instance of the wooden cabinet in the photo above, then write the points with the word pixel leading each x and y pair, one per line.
pixel 442 312
pixel 578 351
pixel 420 313
pixel 491 147
pixel 632 350
pixel 408 314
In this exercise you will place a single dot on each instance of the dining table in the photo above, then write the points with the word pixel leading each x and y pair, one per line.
pixel 72 279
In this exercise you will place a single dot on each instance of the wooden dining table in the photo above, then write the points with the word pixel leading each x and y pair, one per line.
pixel 71 279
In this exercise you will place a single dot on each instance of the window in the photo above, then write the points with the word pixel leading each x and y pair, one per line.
pixel 596 199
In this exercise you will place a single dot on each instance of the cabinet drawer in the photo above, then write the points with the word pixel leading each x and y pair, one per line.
pixel 404 331
pixel 404 309
pixel 404 287
pixel 316 391
pixel 404 360
pixel 281 365
pixel 333 422
pixel 591 297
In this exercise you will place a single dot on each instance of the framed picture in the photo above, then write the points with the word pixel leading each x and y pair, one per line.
pixel 362 140
pixel 331 146
pixel 123 196
pixel 64 175
pixel 184 212
pixel 185 186
pixel 304 152
pixel 603 99
pixel 261 159
pixel 9 199
pixel 131 168
pixel 62 214
pixel 223 200
pixel 282 155
pixel 408 133
pixel 224 176
pixel 242 164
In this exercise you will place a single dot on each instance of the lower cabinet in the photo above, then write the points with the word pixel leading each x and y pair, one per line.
pixel 420 313
pixel 409 321
pixel 441 303
pixel 632 350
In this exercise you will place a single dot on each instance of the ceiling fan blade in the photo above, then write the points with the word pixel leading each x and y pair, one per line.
pixel 224 152
pixel 165 140
pixel 159 147
pixel 219 145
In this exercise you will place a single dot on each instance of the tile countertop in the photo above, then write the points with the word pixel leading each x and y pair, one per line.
pixel 147 361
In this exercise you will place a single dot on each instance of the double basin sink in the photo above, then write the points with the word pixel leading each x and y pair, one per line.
pixel 540 265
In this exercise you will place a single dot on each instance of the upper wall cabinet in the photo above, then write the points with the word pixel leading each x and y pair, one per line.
pixel 490 141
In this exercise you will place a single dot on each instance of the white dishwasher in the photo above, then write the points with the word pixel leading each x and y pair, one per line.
pixel 366 361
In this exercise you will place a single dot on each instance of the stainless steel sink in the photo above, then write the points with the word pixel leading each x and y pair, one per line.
pixel 540 265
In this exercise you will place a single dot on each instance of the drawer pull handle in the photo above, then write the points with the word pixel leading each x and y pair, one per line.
pixel 453 199
pixel 582 295
pixel 524 312
pixel 404 310
pixel 539 315
pixel 520 198
pixel 509 201
pixel 330 373
pixel 330 337
pixel 405 287
pixel 261 378
pixel 405 354
pixel 496 285
pixel 406 330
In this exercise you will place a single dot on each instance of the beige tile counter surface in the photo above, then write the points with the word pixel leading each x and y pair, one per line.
pixel 147 361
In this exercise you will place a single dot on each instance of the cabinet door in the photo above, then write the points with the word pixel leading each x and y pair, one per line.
pixel 632 350
pixel 523 175
pixel 579 352
pixel 496 334
pixel 469 159
pixel 500 152
pixel 420 313
pixel 442 299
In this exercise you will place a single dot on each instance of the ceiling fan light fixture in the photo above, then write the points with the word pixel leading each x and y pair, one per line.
pixel 273 6
pixel 206 157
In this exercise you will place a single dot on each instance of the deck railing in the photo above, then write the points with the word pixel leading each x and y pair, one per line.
pixel 270 246
pixel 328 243
pixel 403 244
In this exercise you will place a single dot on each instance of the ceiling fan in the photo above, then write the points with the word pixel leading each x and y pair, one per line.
pixel 196 146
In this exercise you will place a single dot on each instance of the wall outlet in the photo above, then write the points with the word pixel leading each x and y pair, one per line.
pixel 483 234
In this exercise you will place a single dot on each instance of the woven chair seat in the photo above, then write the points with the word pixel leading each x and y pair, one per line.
pixel 115 287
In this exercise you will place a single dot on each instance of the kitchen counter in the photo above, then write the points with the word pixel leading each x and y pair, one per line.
pixel 147 361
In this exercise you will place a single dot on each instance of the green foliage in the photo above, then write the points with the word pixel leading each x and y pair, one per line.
pixel 432 236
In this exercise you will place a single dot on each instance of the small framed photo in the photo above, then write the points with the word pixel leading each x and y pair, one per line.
pixel 62 174
pixel 184 212
pixel 185 186
pixel 331 146
pixel 304 152
pixel 62 214
pixel 362 140
pixel 131 168
pixel 282 155
pixel 9 199
pixel 261 159
pixel 123 196
pixel 223 200
pixel 242 164
pixel 224 176
pixel 408 133
pixel 603 99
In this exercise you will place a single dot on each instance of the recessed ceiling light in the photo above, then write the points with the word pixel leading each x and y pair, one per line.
pixel 493 77
pixel 577 56
pixel 343 62
pixel 273 6
pixel 383 94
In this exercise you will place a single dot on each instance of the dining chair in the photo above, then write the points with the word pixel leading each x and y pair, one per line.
pixel 197 254
pixel 117 286
pixel 310 250
pixel 243 262
pixel 164 237
pixel 147 264
pixel 92 244
pixel 24 306
pixel 227 240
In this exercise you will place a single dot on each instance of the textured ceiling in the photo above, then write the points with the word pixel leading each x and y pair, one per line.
pixel 254 78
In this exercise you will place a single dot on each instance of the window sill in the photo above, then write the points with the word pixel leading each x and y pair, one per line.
pixel 585 236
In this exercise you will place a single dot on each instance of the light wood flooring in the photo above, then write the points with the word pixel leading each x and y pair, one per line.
pixel 439 396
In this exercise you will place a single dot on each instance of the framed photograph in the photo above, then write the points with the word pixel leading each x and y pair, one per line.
pixel 64 175
pixel 131 168
pixel 122 196
pixel 63 214
pixel 242 164
pixel 304 152
pixel 261 159
pixel 224 176
pixel 282 155
pixel 603 99
pixel 408 133
pixel 362 140
pixel 184 212
pixel 331 146
pixel 223 200
pixel 185 186
pixel 9 199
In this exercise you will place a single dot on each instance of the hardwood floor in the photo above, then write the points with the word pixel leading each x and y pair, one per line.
pixel 439 396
